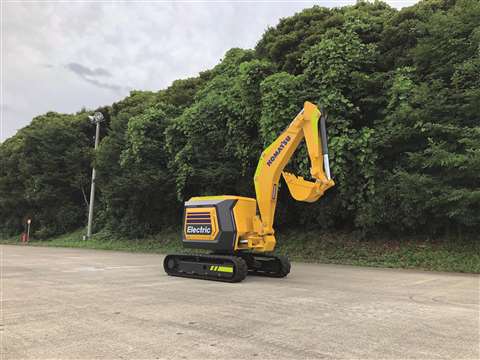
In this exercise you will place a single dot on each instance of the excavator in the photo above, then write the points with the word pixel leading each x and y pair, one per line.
pixel 238 231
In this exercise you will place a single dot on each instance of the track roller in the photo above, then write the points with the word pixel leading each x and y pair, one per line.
pixel 209 267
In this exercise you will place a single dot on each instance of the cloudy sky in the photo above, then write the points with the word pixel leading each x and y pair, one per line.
pixel 65 55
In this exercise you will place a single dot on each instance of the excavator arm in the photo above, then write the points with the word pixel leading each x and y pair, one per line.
pixel 276 156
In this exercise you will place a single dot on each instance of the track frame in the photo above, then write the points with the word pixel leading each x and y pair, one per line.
pixel 226 268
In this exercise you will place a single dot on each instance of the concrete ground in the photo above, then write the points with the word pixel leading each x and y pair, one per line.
pixel 84 304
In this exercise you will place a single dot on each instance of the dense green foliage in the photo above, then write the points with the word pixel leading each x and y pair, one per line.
pixel 44 174
pixel 402 89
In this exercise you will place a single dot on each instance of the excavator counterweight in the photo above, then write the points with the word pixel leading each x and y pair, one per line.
pixel 239 230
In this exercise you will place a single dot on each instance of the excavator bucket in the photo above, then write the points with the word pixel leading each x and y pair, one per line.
pixel 301 189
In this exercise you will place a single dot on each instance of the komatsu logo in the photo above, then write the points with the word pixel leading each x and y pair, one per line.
pixel 199 229
pixel 279 150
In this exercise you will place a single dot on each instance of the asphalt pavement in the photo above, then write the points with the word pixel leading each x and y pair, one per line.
pixel 85 304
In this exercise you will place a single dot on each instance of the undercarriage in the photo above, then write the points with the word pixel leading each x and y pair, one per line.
pixel 227 268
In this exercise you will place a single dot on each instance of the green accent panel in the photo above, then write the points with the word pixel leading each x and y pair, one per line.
pixel 261 161
pixel 227 269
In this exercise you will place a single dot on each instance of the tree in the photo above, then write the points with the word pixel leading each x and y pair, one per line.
pixel 45 175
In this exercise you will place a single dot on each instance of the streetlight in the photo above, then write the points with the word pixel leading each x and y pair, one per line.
pixel 96 119
pixel 29 221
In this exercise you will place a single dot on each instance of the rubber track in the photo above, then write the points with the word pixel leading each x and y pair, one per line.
pixel 281 265
pixel 239 265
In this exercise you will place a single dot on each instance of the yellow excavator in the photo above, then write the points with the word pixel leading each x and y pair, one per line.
pixel 240 238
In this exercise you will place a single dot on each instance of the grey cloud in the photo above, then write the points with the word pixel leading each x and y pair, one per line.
pixel 90 76
pixel 84 71
pixel 106 85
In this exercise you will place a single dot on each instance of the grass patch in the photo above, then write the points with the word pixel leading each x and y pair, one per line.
pixel 167 241
pixel 457 255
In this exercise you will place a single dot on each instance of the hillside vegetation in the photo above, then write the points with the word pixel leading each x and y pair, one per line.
pixel 402 89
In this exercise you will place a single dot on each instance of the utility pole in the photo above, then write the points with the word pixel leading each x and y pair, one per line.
pixel 29 221
pixel 96 119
